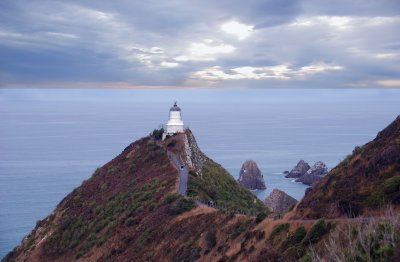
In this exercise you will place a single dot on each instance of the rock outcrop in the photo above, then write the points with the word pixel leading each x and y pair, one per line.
pixel 250 176
pixel 195 158
pixel 279 202
pixel 315 173
pixel 300 169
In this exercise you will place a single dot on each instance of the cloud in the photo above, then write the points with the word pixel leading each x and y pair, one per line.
pixel 241 31
pixel 260 43
pixel 389 82
pixel 284 72
pixel 169 64
pixel 208 50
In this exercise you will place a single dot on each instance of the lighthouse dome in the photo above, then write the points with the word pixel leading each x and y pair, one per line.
pixel 175 108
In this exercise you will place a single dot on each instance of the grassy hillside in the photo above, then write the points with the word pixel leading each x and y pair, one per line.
pixel 216 184
pixel 367 179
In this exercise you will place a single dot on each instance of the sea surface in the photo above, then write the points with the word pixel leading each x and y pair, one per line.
pixel 51 140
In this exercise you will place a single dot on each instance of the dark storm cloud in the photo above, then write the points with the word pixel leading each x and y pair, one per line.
pixel 253 43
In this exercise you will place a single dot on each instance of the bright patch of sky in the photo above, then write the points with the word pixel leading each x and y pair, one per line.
pixel 241 31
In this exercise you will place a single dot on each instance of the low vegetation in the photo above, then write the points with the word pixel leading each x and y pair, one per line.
pixel 318 230
pixel 370 239
pixel 277 230
pixel 218 185
pixel 372 171
pixel 157 133
pixel 181 205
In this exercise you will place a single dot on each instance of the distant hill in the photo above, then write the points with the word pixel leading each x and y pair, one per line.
pixel 365 181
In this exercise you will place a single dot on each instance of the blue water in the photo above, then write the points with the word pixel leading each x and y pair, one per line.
pixel 51 140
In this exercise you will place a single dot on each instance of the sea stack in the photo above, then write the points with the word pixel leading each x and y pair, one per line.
pixel 300 169
pixel 315 173
pixel 250 176
pixel 279 202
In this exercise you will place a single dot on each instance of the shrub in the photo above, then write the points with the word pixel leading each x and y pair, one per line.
pixel 157 133
pixel 295 237
pixel 132 167
pixel 277 230
pixel 130 222
pixel 181 205
pixel 296 251
pixel 391 189
pixel 103 186
pixel 290 208
pixel 357 150
pixel 240 227
pixel 171 198
pixel 317 231
pixel 152 146
pixel 211 238
pixel 101 240
pixel 260 217
pixel 299 234
pixel 111 170
pixel 172 143
pixel 193 173
pixel 96 172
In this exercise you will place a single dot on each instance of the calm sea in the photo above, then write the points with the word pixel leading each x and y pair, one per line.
pixel 51 140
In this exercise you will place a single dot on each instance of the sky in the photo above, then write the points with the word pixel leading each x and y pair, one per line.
pixel 200 44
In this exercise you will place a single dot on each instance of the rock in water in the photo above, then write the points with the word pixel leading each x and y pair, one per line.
pixel 300 169
pixel 279 201
pixel 250 176
pixel 318 169
pixel 315 173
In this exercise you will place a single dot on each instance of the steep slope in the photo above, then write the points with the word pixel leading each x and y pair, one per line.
pixel 129 211
pixel 209 181
pixel 367 179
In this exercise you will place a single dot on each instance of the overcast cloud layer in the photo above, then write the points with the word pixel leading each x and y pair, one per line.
pixel 265 44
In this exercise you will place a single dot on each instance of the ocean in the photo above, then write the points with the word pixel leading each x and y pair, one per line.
pixel 51 140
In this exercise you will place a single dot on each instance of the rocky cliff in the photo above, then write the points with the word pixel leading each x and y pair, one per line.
pixel 368 179
pixel 279 202
pixel 250 176
pixel 300 169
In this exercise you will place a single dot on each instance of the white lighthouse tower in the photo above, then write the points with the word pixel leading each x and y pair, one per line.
pixel 175 123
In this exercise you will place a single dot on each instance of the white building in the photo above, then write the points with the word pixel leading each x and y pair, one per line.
pixel 175 123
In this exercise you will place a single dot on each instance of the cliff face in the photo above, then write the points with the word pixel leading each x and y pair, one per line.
pixel 250 176
pixel 129 211
pixel 367 179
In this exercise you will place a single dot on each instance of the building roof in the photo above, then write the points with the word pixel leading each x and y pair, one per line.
pixel 175 108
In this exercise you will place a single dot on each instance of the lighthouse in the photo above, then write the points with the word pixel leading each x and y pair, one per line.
pixel 175 123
